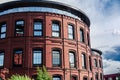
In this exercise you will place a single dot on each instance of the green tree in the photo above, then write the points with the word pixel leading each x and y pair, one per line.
pixel 42 74
pixel 19 77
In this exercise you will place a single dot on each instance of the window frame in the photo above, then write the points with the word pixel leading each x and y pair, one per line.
pixel 55 31
pixel 82 35
pixel 17 65
pixel 3 54
pixel 1 26
pixel 84 61
pixel 73 31
pixel 41 30
pixel 70 64
pixel 37 49
pixel 57 76
pixel 60 58
pixel 22 30
pixel 95 63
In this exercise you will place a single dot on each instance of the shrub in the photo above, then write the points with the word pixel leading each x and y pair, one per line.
pixel 19 77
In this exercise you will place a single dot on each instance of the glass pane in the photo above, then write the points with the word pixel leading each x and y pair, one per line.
pixel 1 59
pixel 56 57
pixel 3 28
pixel 55 27
pixel 37 33
pixel 3 35
pixel 37 26
pixel 55 34
pixel 81 35
pixel 72 59
pixel 70 36
pixel 20 22
pixel 37 57
pixel 56 78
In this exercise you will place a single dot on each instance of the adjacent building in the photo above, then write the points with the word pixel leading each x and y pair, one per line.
pixel 112 76
pixel 42 32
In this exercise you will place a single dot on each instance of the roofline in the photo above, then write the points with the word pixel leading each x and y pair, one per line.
pixel 46 3
pixel 96 50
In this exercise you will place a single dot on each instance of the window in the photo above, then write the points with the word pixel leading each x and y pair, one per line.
pixel 19 28
pixel 37 57
pixel 83 61
pixel 56 58
pixel 55 29
pixel 74 78
pixel 56 78
pixel 84 78
pixel 70 32
pixel 90 63
pixel 82 35
pixel 100 64
pixel 1 59
pixel 18 57
pixel 3 30
pixel 95 62
pixel 88 38
pixel 101 76
pixel 110 78
pixel 38 28
pixel 96 76
pixel 72 59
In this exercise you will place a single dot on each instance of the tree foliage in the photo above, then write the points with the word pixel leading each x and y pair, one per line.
pixel 19 77
pixel 42 74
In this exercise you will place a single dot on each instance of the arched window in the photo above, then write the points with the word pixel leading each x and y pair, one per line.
pixel 72 59
pixel 74 78
pixel 56 77
pixel 18 57
pixel 83 61
pixel 85 78
pixel 90 63
pixel 3 30
pixel 96 76
pixel 95 62
pixel 19 28
pixel 88 39
pixel 56 58
pixel 82 35
pixel 37 57
pixel 100 63
pixel 101 76
pixel 38 28
pixel 55 29
pixel 70 31
pixel 1 59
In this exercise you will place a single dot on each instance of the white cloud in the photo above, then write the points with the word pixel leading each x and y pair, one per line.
pixel 111 66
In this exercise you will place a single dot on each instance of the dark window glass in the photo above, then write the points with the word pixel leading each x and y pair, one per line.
pixel 101 76
pixel 56 78
pixel 37 57
pixel 82 35
pixel 70 31
pixel 96 76
pixel 83 61
pixel 56 59
pixel 3 30
pixel 84 78
pixel 19 28
pixel 72 59
pixel 90 63
pixel 1 59
pixel 95 62
pixel 55 29
pixel 100 65
pixel 88 38
pixel 38 28
pixel 74 78
pixel 18 57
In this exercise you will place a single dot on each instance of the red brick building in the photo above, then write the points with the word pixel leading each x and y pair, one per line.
pixel 112 76
pixel 42 32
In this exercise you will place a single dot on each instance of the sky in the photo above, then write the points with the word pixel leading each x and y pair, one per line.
pixel 105 28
